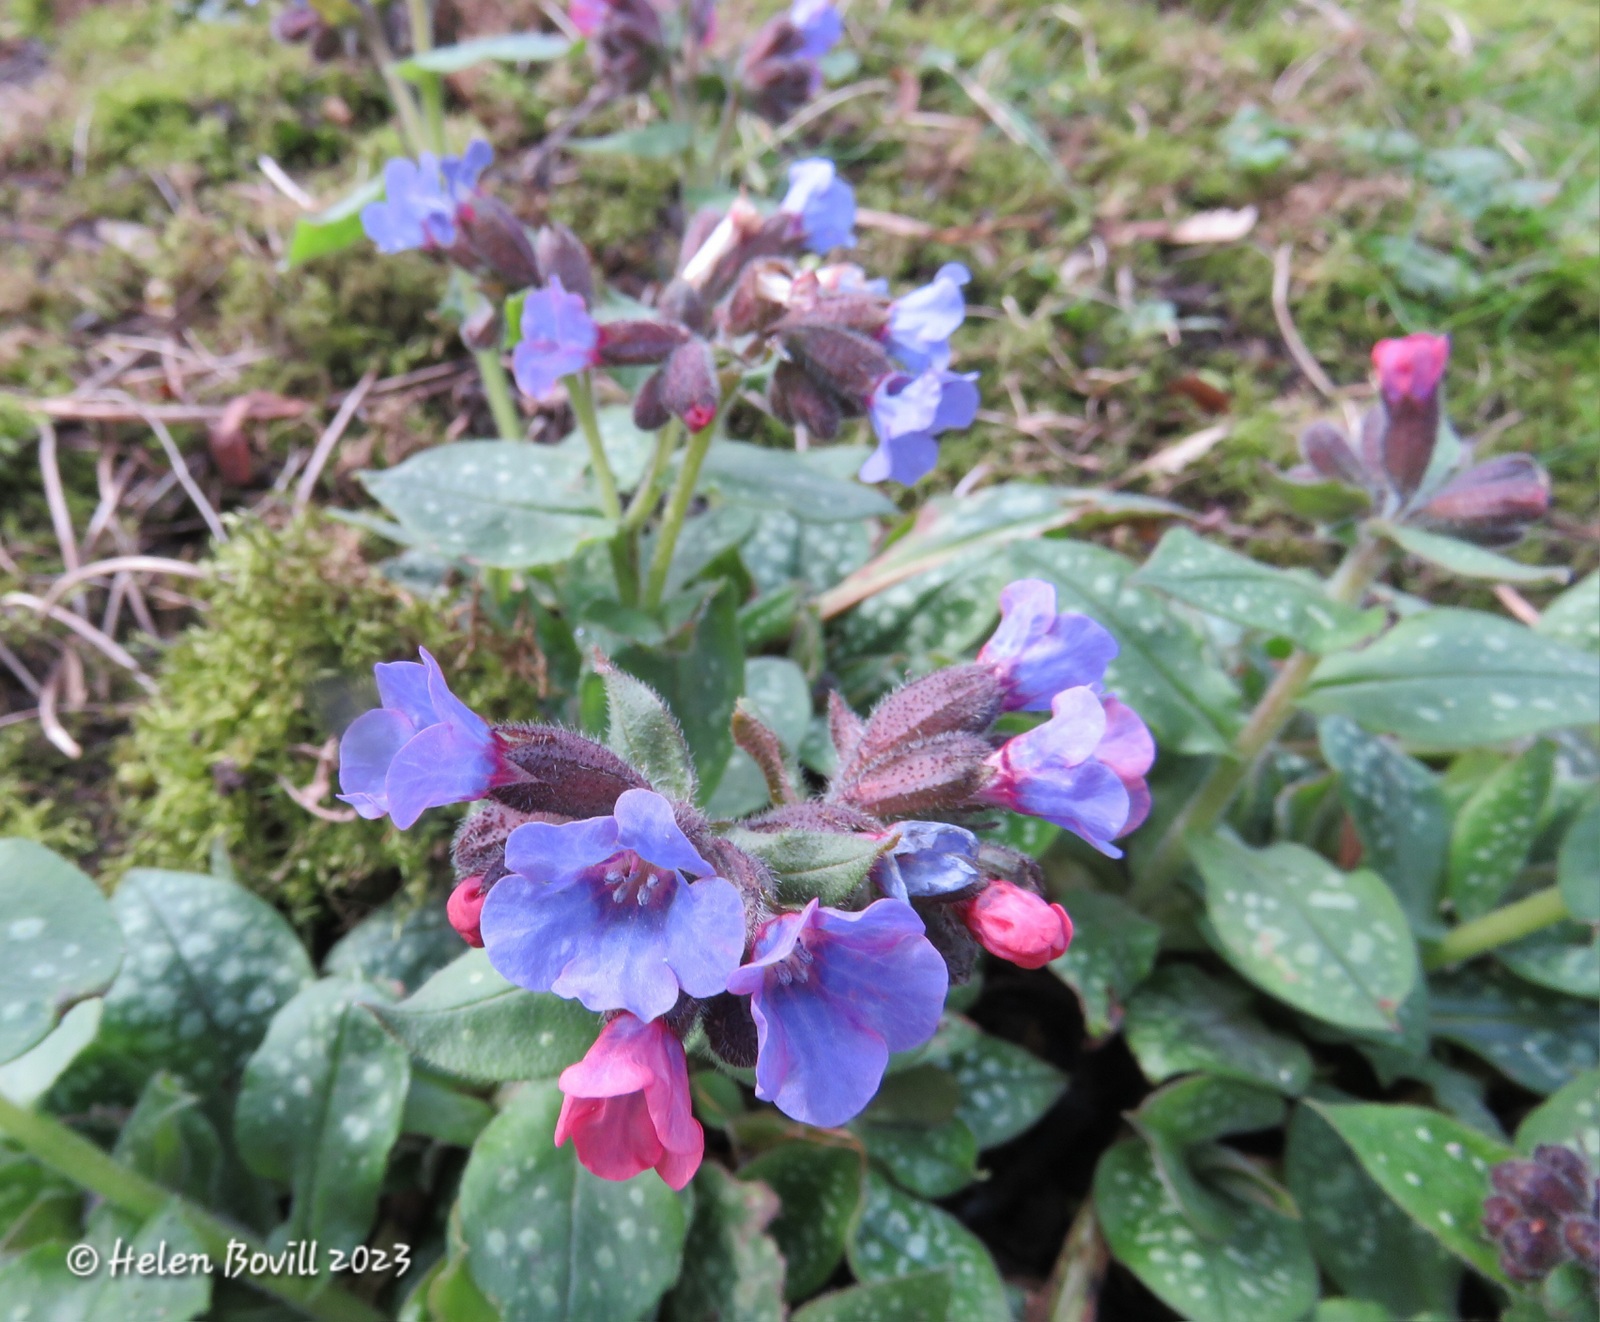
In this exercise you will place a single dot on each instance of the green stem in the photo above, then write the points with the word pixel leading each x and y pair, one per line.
pixel 719 150
pixel 63 1150
pixel 1205 808
pixel 643 501
pixel 1501 927
pixel 430 85
pixel 677 510
pixel 399 94
pixel 580 390
pixel 497 390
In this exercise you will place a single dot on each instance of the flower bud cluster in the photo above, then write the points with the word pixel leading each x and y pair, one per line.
pixel 580 878
pixel 1544 1212
pixel 1394 461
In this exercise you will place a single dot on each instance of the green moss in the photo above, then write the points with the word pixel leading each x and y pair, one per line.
pixel 280 661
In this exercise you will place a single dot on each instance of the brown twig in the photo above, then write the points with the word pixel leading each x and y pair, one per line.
pixel 108 647
pixel 330 438
pixel 49 721
pixel 1286 327
pixel 14 663
pixel 55 496
pixel 180 470
pixel 146 564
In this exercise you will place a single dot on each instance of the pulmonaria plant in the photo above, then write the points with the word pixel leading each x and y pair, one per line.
pixel 581 878
pixel 1544 1212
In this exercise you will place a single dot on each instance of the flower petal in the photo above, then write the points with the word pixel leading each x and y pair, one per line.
pixel 705 935
pixel 561 851
pixel 366 752
pixel 441 765
pixel 645 824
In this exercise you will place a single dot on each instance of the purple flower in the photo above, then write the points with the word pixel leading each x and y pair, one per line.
pixel 819 26
pixel 921 323
pixel 559 337
pixel 422 749
pixel 1083 769
pixel 907 413
pixel 601 911
pixel 823 205
pixel 1036 653
pixel 930 859
pixel 833 993
pixel 421 197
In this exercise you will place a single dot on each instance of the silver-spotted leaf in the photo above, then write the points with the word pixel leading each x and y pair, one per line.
pixel 1570 1115
pixel 819 1193
pixel 731 1266
pixel 1113 950
pixel 923 1297
pixel 1534 1038
pixel 643 733
pixel 1495 829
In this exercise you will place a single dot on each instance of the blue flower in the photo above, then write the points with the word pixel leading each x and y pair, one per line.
pixel 823 205
pixel 833 993
pixel 1036 652
pixel 907 413
pixel 602 911
pixel 559 337
pixel 930 859
pixel 819 26
pixel 421 197
pixel 921 323
pixel 422 749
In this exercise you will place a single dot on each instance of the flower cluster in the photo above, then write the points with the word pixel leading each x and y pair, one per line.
pixel 1544 1212
pixel 1405 470
pixel 581 879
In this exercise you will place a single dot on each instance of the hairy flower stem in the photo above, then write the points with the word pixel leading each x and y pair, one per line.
pixel 497 390
pixel 430 86
pixel 580 390
pixel 1500 927
pixel 678 510
pixel 643 501
pixel 1205 808
pixel 63 1150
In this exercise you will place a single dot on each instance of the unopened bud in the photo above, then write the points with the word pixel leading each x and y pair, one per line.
pixel 800 401
pixel 951 937
pixel 629 47
pixel 730 1030
pixel 1493 502
pixel 465 909
pixel 484 329
pixel 958 698
pixel 1409 372
pixel 1581 1235
pixel 1570 1167
pixel 295 23
pixel 844 362
pixel 649 413
pixel 635 343
pixel 689 384
pixel 845 728
pixel 765 749
pixel 758 298
pixel 1534 1187
pixel 1018 925
pixel 565 773
pixel 561 255
pixel 940 774
pixel 1498 1213
pixel 1530 1249
pixel 498 240
pixel 683 303
pixel 776 88
pixel 1326 449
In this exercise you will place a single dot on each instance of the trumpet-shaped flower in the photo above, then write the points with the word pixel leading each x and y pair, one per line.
pixel 421 199
pixel 822 205
pixel 559 337
pixel 908 413
pixel 922 322
pixel 603 911
pixel 1036 651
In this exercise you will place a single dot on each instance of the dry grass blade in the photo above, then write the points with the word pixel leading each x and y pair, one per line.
pixel 50 721
pixel 330 438
pixel 55 496
pixel 14 663
pixel 108 647
pixel 180 470
pixel 146 564
pixel 1286 327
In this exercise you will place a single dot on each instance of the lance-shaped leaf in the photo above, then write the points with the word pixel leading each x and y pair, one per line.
pixel 334 228
pixel 509 48
pixel 1399 812
pixel 1434 1167
pixel 731 1267
pixel 404 944
pixel 1575 863
pixel 549 1242
pixel 170 1139
pixel 660 141
pixel 1574 617
pixel 59 943
pixel 643 733
pixel 822 865
pixel 799 484
pixel 1234 587
pixel 1456 678
pixel 1005 1088
pixel 1260 1271
pixel 1569 1115
pixel 1563 958
pixel 1113 950
pixel 1182 1020
pixel 933 1161
pixel 1335 945
pixel 819 1192
pixel 1467 560
pixel 469 1021
pixel 1532 1037
pixel 1494 831
pixel 1370 1248
pixel 320 1108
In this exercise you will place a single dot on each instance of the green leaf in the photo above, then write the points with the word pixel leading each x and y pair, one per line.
pixel 731 1268
pixel 442 1113
pixel 469 1021
pixel 1573 618
pixel 643 733
pixel 59 943
pixel 1399 812
pixel 31 1075
pixel 1234 587
pixel 782 697
pixel 653 142
pixel 1569 1115
pixel 320 1108
pixel 923 1297
pixel 1362 1239
pixel 1434 1167
pixel 1467 560
pixel 1162 670
pixel 782 549
pixel 511 48
pixel 1495 829
pixel 399 942
pixel 801 485
pixel 1351 1310
pixel 1575 863
pixel 931 1162
pixel 211 964
pixel 549 1242
pixel 505 504
pixel 899 1235
pixel 1335 945
pixel 1532 1037
pixel 1564 958
pixel 1261 1271
pixel 1457 678
pixel 824 865
pixel 1005 1088
pixel 819 1190
pixel 333 229
pixel 1113 950
pixel 1182 1020
pixel 169 1138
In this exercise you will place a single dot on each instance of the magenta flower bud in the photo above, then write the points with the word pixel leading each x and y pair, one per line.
pixel 1037 652
pixel 627 1106
pixel 1411 368
pixel 689 386
pixel 1017 925
pixel 497 239
pixel 635 343
pixel 626 43
pixel 1493 502
pixel 1570 1166
pixel 465 907
pixel 560 255
pixel 1536 1188
pixel 1409 372
pixel 800 401
pixel 1327 450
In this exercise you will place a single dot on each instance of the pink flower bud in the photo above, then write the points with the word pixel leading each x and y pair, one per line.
pixel 1408 376
pixel 1411 367
pixel 689 384
pixel 465 908
pixel 1018 925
